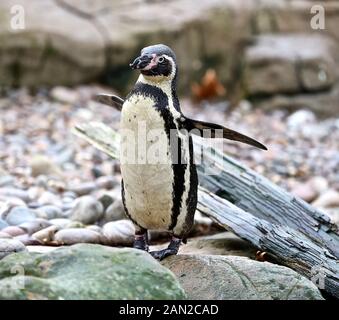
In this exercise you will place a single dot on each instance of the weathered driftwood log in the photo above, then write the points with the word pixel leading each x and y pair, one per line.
pixel 255 194
pixel 307 245
pixel 289 247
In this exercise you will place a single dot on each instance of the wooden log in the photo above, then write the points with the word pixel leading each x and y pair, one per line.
pixel 257 195
pixel 287 246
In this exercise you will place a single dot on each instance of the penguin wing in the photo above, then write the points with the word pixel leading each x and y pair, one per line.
pixel 190 124
pixel 110 100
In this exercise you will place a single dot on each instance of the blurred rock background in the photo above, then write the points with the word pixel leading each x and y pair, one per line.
pixel 256 66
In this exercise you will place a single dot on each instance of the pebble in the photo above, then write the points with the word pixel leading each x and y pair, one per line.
pixel 84 188
pixel 27 240
pixel 77 235
pixel 106 182
pixel 119 233
pixel 31 227
pixel 49 198
pixel 8 246
pixel 15 193
pixel 19 215
pixel 114 212
pixel 328 199
pixel 95 228
pixel 106 200
pixel 300 118
pixel 46 235
pixel 3 224
pixel 6 180
pixel 49 212
pixel 42 165
pixel 4 235
pixel 87 210
pixel 60 222
pixel 13 231
pixel 64 95
pixel 305 191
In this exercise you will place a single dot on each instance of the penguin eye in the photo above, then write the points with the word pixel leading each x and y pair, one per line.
pixel 161 59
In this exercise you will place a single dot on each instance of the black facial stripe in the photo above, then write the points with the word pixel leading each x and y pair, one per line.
pixel 161 105
pixel 162 69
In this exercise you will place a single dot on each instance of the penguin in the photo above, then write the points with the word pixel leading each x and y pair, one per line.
pixel 160 195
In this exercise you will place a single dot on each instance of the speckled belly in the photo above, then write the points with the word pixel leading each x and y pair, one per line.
pixel 148 182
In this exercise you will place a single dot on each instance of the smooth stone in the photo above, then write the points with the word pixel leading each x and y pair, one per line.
pixel 77 235
pixel 13 231
pixel 6 180
pixel 87 210
pixel 106 182
pixel 60 222
pixel 27 240
pixel 305 191
pixel 225 243
pixel 328 199
pixel 31 227
pixel 8 246
pixel 4 235
pixel 46 235
pixel 84 188
pixel 207 277
pixel 119 233
pixel 43 165
pixel 49 198
pixel 300 117
pixel 106 200
pixel 114 212
pixel 49 212
pixel 94 228
pixel 3 224
pixel 19 215
pixel 89 272
pixel 15 193
pixel 75 224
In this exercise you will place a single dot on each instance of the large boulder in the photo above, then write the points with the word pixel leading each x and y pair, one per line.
pixel 80 41
pixel 290 63
pixel 87 271
pixel 238 278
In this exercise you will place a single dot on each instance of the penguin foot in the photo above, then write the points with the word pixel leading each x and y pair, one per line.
pixel 141 242
pixel 171 250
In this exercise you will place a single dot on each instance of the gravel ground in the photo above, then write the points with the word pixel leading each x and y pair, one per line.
pixel 50 174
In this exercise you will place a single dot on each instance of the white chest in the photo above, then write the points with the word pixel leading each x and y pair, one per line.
pixel 146 164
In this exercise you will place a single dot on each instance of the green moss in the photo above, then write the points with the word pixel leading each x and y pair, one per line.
pixel 87 271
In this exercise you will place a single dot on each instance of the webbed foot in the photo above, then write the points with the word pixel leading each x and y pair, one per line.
pixel 172 249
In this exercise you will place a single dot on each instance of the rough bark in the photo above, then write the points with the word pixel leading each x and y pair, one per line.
pixel 290 247
pixel 255 194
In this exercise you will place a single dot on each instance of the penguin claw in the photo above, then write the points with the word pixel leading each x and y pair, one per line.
pixel 162 254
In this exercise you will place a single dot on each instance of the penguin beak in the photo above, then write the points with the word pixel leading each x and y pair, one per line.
pixel 141 62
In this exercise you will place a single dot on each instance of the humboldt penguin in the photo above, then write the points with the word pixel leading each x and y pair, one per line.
pixel 160 194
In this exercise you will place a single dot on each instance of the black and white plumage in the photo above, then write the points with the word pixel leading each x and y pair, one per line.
pixel 160 195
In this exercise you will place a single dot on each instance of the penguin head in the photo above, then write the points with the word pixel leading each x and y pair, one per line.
pixel 157 62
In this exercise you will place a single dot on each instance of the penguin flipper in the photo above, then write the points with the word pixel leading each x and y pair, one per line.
pixel 227 133
pixel 110 100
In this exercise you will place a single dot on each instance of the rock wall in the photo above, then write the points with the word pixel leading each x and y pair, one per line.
pixel 264 50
